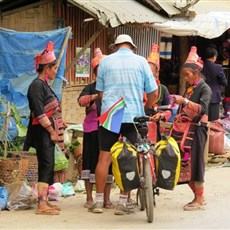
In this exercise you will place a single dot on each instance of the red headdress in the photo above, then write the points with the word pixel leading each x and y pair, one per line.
pixel 46 56
pixel 97 58
pixel 154 56
pixel 193 60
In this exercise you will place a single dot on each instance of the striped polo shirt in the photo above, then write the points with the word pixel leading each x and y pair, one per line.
pixel 128 75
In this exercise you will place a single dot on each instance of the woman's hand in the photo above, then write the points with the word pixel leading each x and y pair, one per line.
pixel 65 124
pixel 156 117
pixel 178 99
pixel 94 97
pixel 54 137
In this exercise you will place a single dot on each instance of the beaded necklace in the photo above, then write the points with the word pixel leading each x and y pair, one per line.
pixel 189 91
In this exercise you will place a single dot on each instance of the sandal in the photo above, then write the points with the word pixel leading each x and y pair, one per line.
pixel 53 206
pixel 88 204
pixel 49 211
pixel 108 205
pixel 193 206
pixel 193 201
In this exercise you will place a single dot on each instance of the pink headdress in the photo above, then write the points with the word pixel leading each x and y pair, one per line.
pixel 97 58
pixel 193 60
pixel 46 56
pixel 154 56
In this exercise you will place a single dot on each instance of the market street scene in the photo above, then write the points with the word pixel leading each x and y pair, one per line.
pixel 114 114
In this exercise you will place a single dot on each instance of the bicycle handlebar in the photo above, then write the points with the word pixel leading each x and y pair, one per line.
pixel 151 112
pixel 141 119
pixel 155 110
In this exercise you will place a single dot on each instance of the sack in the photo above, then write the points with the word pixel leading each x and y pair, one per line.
pixel 168 162
pixel 61 161
pixel 3 198
pixel 125 165
pixel 216 137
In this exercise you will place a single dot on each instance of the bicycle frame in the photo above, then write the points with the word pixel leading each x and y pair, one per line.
pixel 144 150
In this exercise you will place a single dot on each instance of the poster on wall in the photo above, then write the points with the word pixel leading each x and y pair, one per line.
pixel 83 63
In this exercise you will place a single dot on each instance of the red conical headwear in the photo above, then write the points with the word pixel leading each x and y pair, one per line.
pixel 97 58
pixel 193 60
pixel 46 56
pixel 154 56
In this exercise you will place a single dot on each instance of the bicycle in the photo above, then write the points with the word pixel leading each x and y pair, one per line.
pixel 145 152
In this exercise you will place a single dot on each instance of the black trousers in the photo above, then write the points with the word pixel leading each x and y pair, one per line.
pixel 45 154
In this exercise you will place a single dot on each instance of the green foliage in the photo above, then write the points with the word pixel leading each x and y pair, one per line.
pixel 22 130
pixel 6 143
pixel 73 145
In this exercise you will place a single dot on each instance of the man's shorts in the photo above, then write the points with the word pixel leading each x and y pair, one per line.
pixel 107 138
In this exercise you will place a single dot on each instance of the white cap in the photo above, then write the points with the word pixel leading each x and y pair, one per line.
pixel 122 38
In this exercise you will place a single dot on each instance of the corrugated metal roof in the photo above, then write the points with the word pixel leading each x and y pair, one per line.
pixel 166 5
pixel 116 12
pixel 172 7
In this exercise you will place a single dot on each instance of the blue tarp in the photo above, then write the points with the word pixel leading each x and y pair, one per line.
pixel 17 68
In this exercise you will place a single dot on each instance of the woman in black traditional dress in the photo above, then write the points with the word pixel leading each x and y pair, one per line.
pixel 46 125
pixel 193 110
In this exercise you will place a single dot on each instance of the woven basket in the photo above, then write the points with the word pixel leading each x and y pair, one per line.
pixel 12 170
pixel 32 170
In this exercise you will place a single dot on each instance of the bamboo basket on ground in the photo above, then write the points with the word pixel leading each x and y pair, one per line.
pixel 12 170
pixel 32 169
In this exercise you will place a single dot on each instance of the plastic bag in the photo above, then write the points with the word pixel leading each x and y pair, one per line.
pixel 168 161
pixel 3 198
pixel 67 140
pixel 61 162
pixel 20 196
pixel 125 165
pixel 67 189
pixel 55 192
pixel 80 186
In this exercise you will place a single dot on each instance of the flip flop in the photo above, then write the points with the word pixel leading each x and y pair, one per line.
pixel 49 211
pixel 204 203
pixel 193 207
pixel 108 205
pixel 54 206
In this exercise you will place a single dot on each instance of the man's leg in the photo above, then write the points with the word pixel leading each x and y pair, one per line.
pixel 102 169
pixel 101 174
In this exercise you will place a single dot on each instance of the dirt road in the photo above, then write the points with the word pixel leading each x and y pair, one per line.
pixel 168 213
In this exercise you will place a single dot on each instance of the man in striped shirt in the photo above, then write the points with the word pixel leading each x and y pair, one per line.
pixel 127 75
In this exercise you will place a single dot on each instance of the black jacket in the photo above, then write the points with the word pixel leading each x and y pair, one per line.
pixel 215 77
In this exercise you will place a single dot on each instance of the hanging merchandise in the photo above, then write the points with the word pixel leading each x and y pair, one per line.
pixel 166 46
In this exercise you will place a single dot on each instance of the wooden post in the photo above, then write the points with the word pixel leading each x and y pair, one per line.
pixel 184 50
pixel 62 50
pixel 207 145
pixel 90 41
pixel 6 128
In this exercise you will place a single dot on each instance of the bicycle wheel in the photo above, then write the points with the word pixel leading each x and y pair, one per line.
pixel 141 198
pixel 148 191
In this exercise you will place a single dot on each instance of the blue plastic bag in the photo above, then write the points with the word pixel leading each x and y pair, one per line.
pixel 3 197
pixel 67 189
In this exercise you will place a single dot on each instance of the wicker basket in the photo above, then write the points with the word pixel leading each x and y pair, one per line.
pixel 32 170
pixel 12 170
